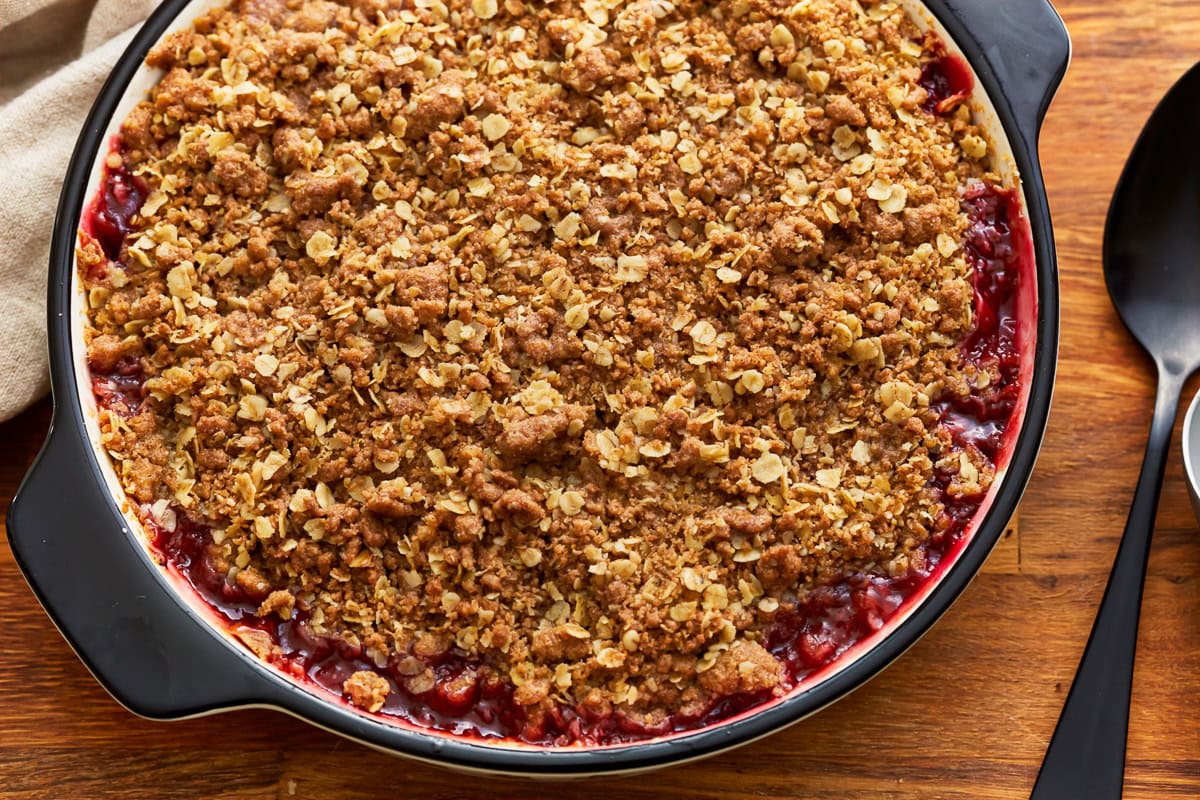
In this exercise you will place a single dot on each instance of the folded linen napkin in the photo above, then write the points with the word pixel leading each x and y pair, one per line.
pixel 54 56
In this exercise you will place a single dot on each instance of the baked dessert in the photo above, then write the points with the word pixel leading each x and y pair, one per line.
pixel 572 372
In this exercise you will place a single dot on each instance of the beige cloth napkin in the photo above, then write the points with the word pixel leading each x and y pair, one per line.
pixel 54 56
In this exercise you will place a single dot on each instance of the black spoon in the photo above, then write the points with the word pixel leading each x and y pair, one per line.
pixel 1152 268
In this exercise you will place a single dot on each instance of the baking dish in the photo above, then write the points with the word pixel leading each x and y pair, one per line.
pixel 160 651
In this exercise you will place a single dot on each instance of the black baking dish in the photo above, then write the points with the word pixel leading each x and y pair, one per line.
pixel 156 654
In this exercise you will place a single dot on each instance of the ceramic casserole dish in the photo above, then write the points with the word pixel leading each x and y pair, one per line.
pixel 164 654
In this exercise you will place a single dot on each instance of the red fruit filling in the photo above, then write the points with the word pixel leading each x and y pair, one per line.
pixel 948 81
pixel 120 389
pixel 108 218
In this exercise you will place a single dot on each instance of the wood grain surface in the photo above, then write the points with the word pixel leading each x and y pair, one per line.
pixel 965 714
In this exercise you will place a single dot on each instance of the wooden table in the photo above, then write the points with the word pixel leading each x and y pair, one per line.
pixel 965 714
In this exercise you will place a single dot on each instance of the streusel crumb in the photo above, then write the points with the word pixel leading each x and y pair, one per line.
pixel 579 340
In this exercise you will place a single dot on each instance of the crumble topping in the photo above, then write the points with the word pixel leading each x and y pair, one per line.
pixel 579 340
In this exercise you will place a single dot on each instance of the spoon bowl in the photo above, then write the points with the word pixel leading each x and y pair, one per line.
pixel 1152 269
pixel 1152 238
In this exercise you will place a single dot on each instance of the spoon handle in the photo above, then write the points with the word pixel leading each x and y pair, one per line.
pixel 1086 757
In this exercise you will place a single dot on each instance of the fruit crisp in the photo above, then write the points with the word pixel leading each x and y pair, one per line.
pixel 551 370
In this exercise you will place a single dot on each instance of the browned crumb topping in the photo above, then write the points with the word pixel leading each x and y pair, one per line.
pixel 367 690
pixel 577 338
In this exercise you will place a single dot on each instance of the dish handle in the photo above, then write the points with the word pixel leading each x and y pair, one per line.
pixel 153 656
pixel 1026 45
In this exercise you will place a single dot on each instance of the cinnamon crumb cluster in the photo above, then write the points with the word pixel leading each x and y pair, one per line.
pixel 576 339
